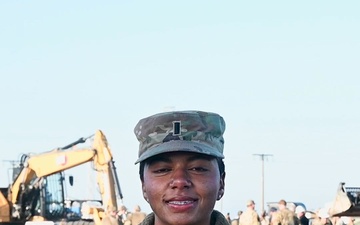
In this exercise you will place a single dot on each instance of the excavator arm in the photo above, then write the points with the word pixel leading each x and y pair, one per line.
pixel 46 164
pixel 107 179
pixel 106 172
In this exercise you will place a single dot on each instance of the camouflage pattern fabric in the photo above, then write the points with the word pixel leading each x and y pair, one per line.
pixel 249 217
pixel 136 217
pixel 235 221
pixel 217 218
pixel 191 131
pixel 284 217
pixel 109 220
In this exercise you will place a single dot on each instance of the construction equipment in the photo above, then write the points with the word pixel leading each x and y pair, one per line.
pixel 37 192
pixel 346 202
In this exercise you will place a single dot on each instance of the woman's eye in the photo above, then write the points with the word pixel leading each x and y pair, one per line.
pixel 162 170
pixel 199 169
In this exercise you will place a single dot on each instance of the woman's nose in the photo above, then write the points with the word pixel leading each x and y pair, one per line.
pixel 180 179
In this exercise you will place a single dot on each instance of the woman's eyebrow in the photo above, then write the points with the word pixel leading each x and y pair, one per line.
pixel 159 159
pixel 201 157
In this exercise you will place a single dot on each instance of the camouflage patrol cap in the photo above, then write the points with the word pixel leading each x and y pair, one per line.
pixel 188 131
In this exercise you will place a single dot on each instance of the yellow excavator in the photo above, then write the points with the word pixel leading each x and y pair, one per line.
pixel 37 193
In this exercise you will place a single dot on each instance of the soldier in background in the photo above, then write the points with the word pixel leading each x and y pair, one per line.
pixel 264 219
pixel 300 212
pixel 111 217
pixel 284 216
pixel 249 216
pixel 123 215
pixel 269 217
pixel 228 218
pixel 324 217
pixel 236 221
pixel 137 216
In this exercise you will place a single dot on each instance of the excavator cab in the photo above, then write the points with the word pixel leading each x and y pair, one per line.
pixel 43 198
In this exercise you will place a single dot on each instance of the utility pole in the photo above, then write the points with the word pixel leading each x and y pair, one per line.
pixel 262 157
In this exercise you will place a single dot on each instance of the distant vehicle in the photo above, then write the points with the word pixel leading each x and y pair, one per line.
pixel 289 205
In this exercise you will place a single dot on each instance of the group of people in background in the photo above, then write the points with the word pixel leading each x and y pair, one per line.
pixel 123 217
pixel 285 214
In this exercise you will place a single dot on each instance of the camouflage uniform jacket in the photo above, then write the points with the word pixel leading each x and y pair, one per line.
pixel 110 220
pixel 285 217
pixel 249 217
pixel 217 218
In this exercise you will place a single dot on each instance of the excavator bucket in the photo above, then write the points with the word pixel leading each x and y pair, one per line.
pixel 341 203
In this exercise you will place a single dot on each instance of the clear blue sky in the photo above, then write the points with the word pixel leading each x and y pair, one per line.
pixel 283 74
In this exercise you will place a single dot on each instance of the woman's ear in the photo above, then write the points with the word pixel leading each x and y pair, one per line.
pixel 220 194
pixel 222 186
pixel 144 193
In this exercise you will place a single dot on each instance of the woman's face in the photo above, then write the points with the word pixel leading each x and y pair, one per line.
pixel 182 187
